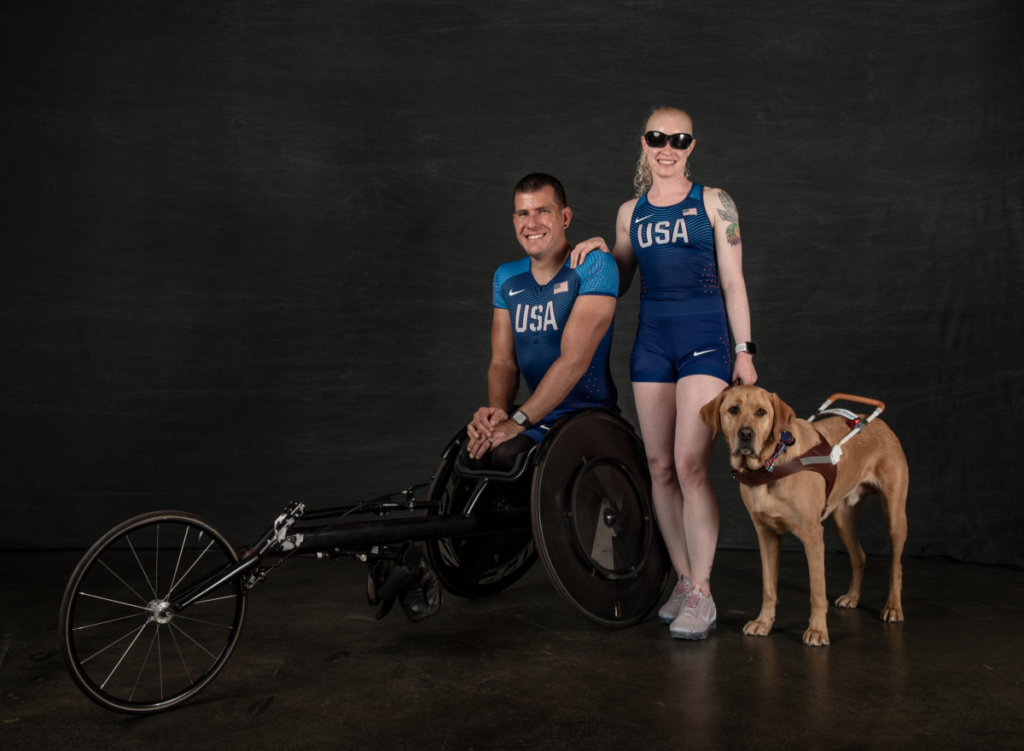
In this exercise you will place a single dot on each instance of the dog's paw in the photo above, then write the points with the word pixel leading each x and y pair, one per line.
pixel 757 628
pixel 814 637
pixel 848 601
pixel 892 614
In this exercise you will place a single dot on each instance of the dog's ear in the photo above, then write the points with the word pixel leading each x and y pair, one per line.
pixel 709 414
pixel 784 416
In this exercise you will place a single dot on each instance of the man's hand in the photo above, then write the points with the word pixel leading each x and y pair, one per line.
pixel 493 431
pixel 481 429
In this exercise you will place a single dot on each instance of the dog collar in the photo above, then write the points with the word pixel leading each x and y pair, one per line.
pixel 817 459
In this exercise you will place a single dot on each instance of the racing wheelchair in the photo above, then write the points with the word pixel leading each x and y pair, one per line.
pixel 154 609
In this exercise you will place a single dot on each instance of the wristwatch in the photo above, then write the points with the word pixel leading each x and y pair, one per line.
pixel 747 347
pixel 519 418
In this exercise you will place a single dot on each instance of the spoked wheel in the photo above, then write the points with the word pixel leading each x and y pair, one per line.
pixel 482 565
pixel 123 642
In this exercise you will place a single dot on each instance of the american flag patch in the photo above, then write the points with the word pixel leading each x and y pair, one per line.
pixel 561 287
pixel 689 212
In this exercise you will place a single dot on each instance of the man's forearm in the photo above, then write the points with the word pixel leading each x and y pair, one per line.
pixel 502 386
pixel 560 379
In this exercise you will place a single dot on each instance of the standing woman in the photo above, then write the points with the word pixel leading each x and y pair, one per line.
pixel 686 240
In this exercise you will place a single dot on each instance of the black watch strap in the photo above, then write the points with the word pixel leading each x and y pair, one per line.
pixel 519 418
pixel 747 347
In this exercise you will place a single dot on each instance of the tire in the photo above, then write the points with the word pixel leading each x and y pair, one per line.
pixel 482 565
pixel 126 581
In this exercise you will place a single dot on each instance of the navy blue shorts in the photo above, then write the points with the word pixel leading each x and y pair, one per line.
pixel 679 339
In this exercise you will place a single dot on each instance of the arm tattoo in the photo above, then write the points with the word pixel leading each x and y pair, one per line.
pixel 732 234
pixel 729 213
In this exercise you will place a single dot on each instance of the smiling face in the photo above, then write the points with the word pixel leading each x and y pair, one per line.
pixel 666 162
pixel 540 222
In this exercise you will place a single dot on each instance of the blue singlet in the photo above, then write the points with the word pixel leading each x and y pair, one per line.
pixel 683 328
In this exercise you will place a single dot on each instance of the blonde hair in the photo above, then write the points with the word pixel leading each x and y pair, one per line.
pixel 643 179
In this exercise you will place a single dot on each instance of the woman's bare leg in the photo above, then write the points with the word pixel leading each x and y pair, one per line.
pixel 656 408
pixel 692 453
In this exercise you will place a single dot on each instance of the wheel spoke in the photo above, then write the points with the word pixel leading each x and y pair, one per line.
pixel 94 654
pixel 208 623
pixel 180 552
pixel 175 584
pixel 116 602
pixel 129 540
pixel 129 649
pixel 156 563
pixel 148 651
pixel 134 591
pixel 160 658
pixel 192 640
pixel 112 620
pixel 183 664
pixel 213 599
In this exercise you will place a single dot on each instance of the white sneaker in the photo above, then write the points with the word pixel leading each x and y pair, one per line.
pixel 670 609
pixel 696 617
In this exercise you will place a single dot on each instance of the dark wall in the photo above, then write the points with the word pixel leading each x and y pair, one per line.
pixel 247 250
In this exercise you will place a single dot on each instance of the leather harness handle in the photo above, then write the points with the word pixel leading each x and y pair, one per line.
pixel 863 400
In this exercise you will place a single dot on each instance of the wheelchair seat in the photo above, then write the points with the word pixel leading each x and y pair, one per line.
pixel 523 461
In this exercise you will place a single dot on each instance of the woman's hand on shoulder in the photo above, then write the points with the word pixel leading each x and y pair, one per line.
pixel 582 250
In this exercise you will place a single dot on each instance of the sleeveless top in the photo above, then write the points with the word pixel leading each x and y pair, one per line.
pixel 675 249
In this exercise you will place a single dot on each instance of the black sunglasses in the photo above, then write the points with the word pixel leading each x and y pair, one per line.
pixel 656 139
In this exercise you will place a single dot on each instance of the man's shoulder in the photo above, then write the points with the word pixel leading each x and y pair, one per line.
pixel 597 262
pixel 599 274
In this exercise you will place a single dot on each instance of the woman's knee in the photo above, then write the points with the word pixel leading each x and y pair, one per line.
pixel 691 470
pixel 662 468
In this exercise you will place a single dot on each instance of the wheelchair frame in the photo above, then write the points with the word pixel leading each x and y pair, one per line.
pixel 214 599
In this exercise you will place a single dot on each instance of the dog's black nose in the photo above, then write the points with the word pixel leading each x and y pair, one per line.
pixel 746 434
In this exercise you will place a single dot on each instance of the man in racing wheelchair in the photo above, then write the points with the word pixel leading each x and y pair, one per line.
pixel 564 480
pixel 551 323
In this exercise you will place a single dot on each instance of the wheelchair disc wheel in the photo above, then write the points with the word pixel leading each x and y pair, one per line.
pixel 594 522
pixel 481 565
pixel 123 643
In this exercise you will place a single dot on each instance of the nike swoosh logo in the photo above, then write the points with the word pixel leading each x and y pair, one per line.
pixel 513 294
pixel 698 354
pixel 637 221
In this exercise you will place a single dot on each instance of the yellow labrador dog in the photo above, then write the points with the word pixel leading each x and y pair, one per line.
pixel 752 421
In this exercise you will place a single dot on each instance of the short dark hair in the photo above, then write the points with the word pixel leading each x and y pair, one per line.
pixel 538 180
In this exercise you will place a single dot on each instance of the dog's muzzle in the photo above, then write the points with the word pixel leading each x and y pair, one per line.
pixel 745 442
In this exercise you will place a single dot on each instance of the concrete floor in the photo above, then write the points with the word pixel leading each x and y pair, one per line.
pixel 313 670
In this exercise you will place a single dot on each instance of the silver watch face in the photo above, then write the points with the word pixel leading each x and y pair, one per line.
pixel 520 418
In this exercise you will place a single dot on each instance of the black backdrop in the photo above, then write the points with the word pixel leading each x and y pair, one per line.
pixel 247 248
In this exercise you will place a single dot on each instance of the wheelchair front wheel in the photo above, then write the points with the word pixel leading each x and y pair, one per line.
pixel 123 643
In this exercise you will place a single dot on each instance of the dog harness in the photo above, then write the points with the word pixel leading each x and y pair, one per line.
pixel 817 459
pixel 822 458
